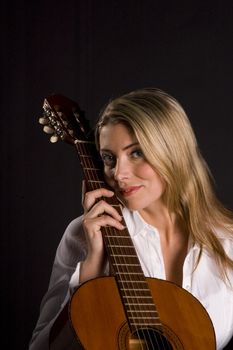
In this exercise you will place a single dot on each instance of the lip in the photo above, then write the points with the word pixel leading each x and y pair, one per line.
pixel 129 191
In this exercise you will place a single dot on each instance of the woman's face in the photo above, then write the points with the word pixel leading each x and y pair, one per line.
pixel 135 182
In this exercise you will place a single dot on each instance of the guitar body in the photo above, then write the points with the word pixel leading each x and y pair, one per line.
pixel 98 319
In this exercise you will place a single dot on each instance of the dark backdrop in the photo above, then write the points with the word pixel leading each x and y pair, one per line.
pixel 91 51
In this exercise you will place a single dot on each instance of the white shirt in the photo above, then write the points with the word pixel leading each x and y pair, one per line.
pixel 204 283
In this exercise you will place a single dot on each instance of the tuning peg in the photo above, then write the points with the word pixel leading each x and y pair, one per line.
pixel 54 138
pixel 71 132
pixel 43 120
pixel 48 130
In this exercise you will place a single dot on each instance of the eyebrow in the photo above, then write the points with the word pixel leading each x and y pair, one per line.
pixel 124 149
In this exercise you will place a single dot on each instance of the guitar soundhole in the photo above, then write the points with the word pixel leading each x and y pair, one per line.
pixel 148 339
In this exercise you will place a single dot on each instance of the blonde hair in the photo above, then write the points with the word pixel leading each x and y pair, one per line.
pixel 167 140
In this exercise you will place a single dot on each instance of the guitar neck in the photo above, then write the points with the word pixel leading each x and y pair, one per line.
pixel 133 288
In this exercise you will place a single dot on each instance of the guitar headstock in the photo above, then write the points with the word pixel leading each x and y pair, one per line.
pixel 64 120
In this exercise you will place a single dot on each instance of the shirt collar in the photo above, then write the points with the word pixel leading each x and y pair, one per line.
pixel 136 224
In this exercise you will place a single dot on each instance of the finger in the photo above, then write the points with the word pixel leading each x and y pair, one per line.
pixel 84 189
pixel 91 197
pixel 106 220
pixel 94 225
pixel 101 208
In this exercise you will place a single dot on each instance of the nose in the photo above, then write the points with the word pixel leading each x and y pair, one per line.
pixel 122 170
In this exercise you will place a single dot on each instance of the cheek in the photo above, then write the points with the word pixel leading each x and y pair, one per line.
pixel 148 173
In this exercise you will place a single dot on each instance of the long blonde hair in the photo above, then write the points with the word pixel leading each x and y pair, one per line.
pixel 167 140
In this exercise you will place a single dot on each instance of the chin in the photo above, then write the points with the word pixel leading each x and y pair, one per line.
pixel 133 206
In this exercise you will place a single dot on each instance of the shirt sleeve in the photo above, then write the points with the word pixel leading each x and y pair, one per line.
pixel 74 281
pixel 71 250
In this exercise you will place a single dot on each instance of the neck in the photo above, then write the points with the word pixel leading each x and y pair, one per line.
pixel 167 223
pixel 157 216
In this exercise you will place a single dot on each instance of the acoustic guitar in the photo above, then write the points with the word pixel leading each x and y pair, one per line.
pixel 125 311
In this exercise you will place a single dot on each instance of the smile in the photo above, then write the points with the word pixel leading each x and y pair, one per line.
pixel 129 191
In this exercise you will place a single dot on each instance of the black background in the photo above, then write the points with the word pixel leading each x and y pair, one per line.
pixel 91 51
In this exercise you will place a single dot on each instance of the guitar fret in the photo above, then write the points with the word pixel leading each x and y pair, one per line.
pixel 97 169
pixel 114 263
pixel 133 281
pixel 108 236
pixel 96 181
pixel 150 310
pixel 144 317
pixel 124 256
pixel 127 281
pixel 123 259
pixel 128 268
pixel 128 273
pixel 137 296
pixel 120 246
pixel 152 323
pixel 134 289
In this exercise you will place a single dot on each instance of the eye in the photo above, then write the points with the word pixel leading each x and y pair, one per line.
pixel 137 153
pixel 108 159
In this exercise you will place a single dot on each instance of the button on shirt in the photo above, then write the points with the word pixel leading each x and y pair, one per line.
pixel 204 282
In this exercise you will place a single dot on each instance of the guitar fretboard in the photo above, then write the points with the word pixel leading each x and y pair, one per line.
pixel 133 288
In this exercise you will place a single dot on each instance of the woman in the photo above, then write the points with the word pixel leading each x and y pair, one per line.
pixel 180 230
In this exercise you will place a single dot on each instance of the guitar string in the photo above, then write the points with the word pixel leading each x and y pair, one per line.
pixel 114 254
pixel 87 162
pixel 90 176
pixel 108 232
pixel 90 166
pixel 98 184
pixel 125 252
pixel 89 173
pixel 129 282
pixel 123 283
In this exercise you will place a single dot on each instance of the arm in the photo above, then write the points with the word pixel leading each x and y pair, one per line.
pixel 70 251
pixel 79 257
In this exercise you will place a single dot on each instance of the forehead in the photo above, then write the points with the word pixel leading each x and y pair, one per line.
pixel 115 135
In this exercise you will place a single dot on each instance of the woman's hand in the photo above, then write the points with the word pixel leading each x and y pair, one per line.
pixel 97 213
